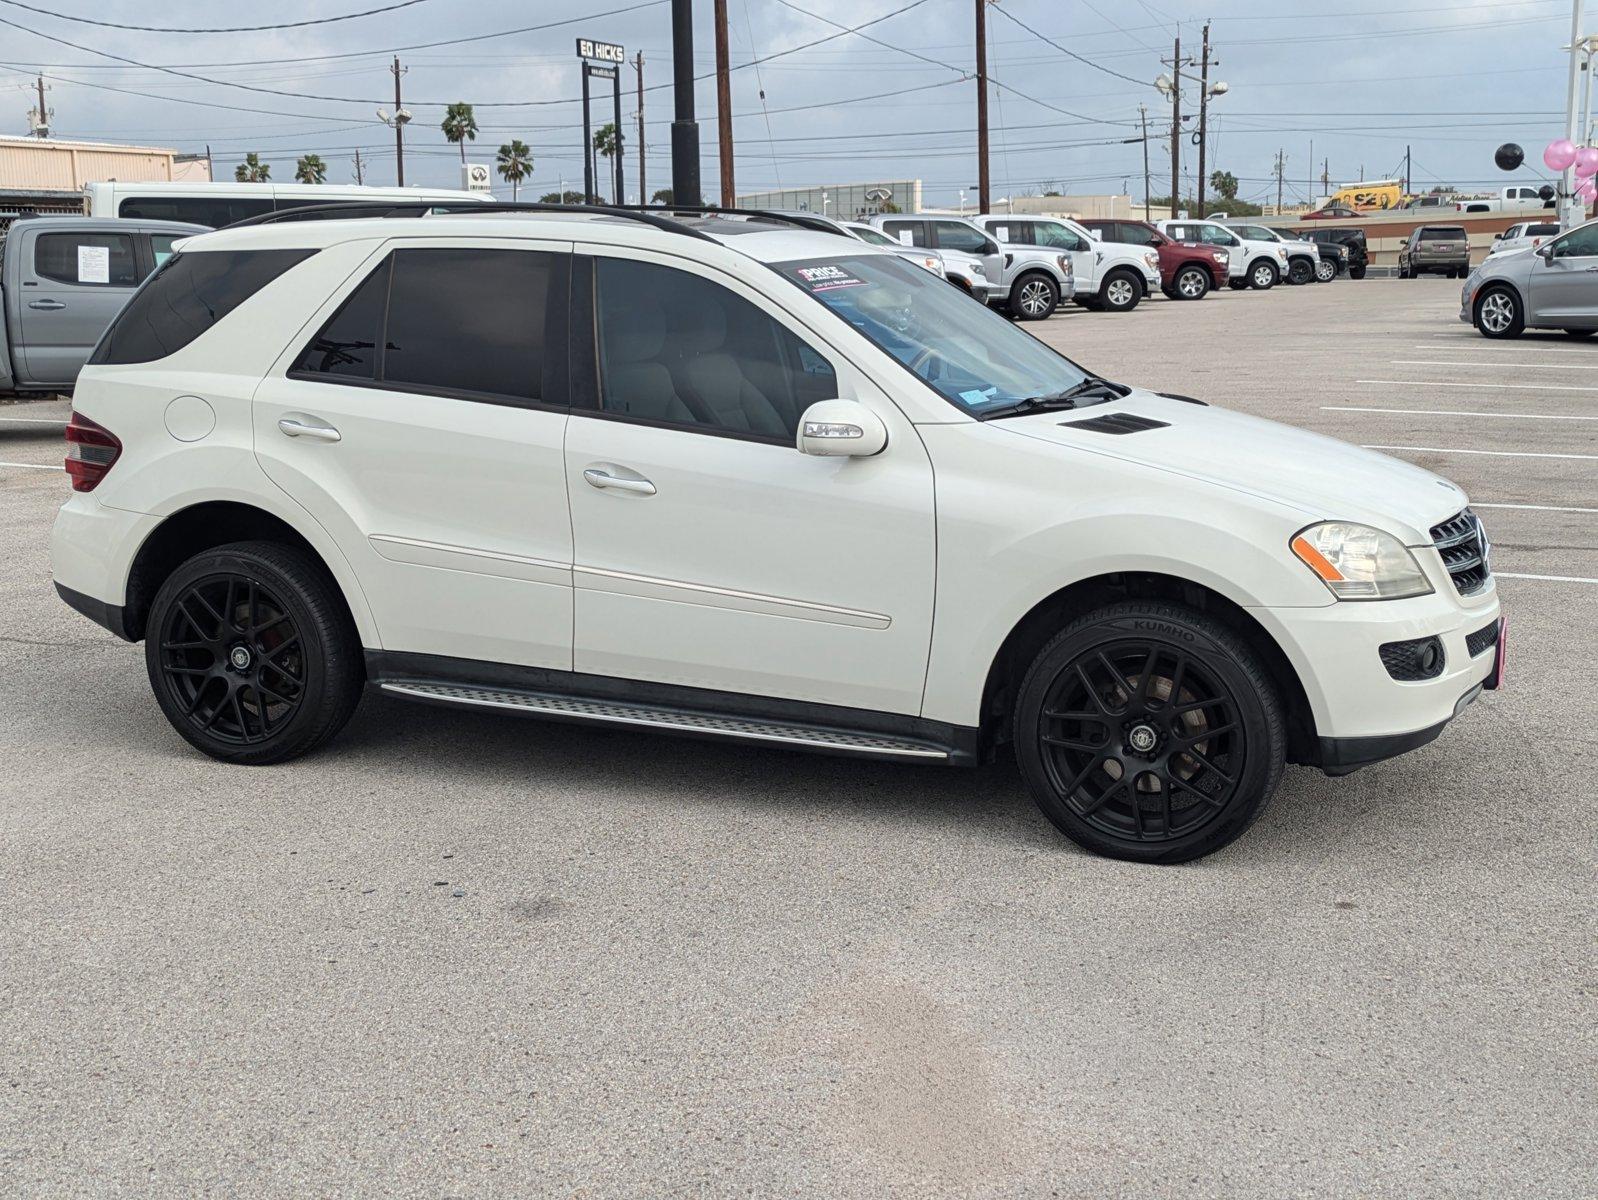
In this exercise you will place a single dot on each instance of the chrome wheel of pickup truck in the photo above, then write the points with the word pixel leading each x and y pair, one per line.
pixel 1034 297
pixel 1325 271
pixel 1192 283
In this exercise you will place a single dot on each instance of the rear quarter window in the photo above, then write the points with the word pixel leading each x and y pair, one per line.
pixel 187 295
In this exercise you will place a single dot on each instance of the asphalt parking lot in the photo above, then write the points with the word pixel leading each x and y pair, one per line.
pixel 466 955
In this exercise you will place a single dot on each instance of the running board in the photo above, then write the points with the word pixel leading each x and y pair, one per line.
pixel 670 720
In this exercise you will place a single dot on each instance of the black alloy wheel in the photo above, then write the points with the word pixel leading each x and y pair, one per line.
pixel 1300 272
pixel 252 654
pixel 1149 732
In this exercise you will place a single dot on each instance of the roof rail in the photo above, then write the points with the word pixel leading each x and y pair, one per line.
pixel 359 209
pixel 819 224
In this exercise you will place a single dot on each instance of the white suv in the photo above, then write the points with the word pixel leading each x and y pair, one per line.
pixel 736 480
pixel 1108 275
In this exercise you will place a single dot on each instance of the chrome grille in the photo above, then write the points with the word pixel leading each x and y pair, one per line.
pixel 1464 549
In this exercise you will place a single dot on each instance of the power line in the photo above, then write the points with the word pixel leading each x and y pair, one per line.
pixel 1009 16
pixel 370 12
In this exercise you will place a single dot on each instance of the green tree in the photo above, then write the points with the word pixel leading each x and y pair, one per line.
pixel 459 125
pixel 515 163
pixel 252 169
pixel 566 197
pixel 661 196
pixel 1225 183
pixel 311 169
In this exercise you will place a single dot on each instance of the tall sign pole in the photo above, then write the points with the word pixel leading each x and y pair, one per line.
pixel 588 144
pixel 983 197
pixel 729 197
pixel 601 60
pixel 684 128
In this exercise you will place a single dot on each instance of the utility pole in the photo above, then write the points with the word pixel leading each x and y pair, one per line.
pixel 1204 112
pixel 982 107
pixel 1176 63
pixel 42 128
pixel 1406 170
pixel 643 189
pixel 1281 168
pixel 1143 116
pixel 684 128
pixel 1571 211
pixel 360 171
pixel 729 197
pixel 399 126
pixel 1326 177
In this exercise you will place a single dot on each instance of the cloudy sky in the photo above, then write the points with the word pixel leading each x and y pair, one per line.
pixel 1351 83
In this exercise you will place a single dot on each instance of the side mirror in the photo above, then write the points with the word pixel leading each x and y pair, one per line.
pixel 841 429
pixel 1546 252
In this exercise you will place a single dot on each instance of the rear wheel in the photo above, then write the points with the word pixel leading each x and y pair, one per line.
pixel 1262 276
pixel 1356 272
pixel 1150 732
pixel 1034 296
pixel 1498 314
pixel 252 654
pixel 1191 283
pixel 1121 291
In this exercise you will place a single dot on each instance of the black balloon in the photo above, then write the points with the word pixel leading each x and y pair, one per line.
pixel 1509 156
pixel 1546 192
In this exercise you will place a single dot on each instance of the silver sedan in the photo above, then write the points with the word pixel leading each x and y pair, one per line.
pixel 1551 286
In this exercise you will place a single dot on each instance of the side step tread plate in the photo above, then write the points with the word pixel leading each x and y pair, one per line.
pixel 669 720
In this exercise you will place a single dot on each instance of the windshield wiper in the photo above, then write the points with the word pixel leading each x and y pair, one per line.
pixel 1092 386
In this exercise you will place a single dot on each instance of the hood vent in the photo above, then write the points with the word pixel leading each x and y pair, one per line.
pixel 1117 423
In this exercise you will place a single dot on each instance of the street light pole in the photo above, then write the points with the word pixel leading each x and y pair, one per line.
pixel 684 128
pixel 1176 123
pixel 1143 116
pixel 399 125
pixel 1571 210
pixel 982 107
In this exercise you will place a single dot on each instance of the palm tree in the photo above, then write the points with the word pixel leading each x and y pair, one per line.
pixel 606 140
pixel 311 169
pixel 515 164
pixel 252 169
pixel 459 125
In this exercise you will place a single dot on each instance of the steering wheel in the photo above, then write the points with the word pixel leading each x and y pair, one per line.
pixel 927 356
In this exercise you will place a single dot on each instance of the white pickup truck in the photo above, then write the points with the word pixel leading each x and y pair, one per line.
pixel 1513 198
pixel 1251 263
pixel 1106 275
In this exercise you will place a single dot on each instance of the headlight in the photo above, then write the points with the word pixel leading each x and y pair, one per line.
pixel 1153 260
pixel 976 269
pixel 1065 265
pixel 1356 562
pixel 1281 253
pixel 1219 256
pixel 933 263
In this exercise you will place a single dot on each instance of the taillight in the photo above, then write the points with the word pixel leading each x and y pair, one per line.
pixel 92 450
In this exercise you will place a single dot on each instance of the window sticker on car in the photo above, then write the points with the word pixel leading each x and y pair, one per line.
pixel 94 264
pixel 905 236
pixel 827 278
pixel 979 395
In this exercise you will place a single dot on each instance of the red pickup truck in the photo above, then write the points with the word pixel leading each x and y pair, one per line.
pixel 1187 270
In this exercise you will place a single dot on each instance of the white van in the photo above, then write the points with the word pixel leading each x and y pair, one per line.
pixel 219 204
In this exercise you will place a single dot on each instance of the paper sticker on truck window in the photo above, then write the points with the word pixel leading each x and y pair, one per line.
pixel 826 278
pixel 906 236
pixel 94 264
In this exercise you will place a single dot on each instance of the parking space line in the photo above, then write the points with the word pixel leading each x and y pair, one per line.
pixel 1452 412
pixel 1487 453
pixel 1484 346
pixel 1547 578
pixel 1519 387
pixel 34 420
pixel 1535 507
pixel 32 466
pixel 1433 362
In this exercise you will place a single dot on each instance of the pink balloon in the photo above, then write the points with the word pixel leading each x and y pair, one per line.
pixel 1587 161
pixel 1587 190
pixel 1559 154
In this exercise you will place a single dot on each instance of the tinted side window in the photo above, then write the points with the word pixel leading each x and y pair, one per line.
pixel 468 320
pixel 1135 235
pixel 187 295
pixel 957 235
pixel 907 233
pixel 90 259
pixel 214 211
pixel 346 347
pixel 1579 243
pixel 677 349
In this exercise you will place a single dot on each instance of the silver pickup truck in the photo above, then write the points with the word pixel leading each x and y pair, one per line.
pixel 62 280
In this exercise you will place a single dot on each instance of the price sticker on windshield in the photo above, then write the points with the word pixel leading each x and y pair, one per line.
pixel 827 278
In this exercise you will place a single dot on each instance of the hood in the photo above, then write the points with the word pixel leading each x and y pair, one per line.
pixel 1322 478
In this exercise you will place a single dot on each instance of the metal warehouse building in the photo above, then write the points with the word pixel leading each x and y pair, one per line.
pixel 841 199
pixel 47 175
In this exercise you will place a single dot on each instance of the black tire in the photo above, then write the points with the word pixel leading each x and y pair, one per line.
pixel 1093 693
pixel 1263 275
pixel 1499 313
pixel 1300 271
pixel 1120 291
pixel 1192 282
pixel 1091 303
pixel 1237 285
pixel 1403 271
pixel 1034 296
pixel 1581 333
pixel 1325 270
pixel 1356 272
pixel 252 653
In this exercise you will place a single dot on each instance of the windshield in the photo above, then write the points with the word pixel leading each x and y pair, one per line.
pixel 958 347
pixel 867 234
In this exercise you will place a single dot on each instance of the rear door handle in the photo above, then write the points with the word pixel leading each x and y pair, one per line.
pixel 300 425
pixel 605 477
pixel 47 305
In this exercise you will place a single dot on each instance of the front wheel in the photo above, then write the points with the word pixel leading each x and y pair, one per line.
pixel 1191 283
pixel 1498 314
pixel 1325 271
pixel 1121 292
pixel 1300 272
pixel 1150 732
pixel 1262 276
pixel 1356 272
pixel 1034 297
pixel 252 654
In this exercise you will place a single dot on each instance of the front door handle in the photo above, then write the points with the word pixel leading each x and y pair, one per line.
pixel 602 478
pixel 47 305
pixel 300 425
